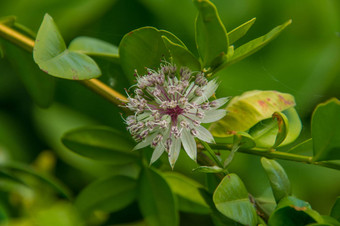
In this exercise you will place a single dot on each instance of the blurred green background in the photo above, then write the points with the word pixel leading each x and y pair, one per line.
pixel 304 61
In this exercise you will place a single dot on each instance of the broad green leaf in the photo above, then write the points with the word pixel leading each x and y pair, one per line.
pixel 54 183
pixel 240 31
pixel 211 35
pixel 250 108
pixel 108 194
pixel 326 131
pixel 100 143
pixel 293 211
pixel 144 48
pixel 51 55
pixel 156 200
pixel 335 212
pixel 188 192
pixel 231 199
pixel 271 133
pixel 61 213
pixel 253 46
pixel 208 169
pixel 38 84
pixel 181 55
pixel 95 47
pixel 278 178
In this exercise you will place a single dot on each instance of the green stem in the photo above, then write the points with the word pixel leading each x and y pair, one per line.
pixel 212 154
pixel 268 153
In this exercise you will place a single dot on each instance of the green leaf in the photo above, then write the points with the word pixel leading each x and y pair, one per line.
pixel 156 200
pixel 240 31
pixel 282 123
pixel 211 35
pixel 293 211
pixel 335 212
pixel 108 194
pixel 188 192
pixel 95 47
pixel 278 178
pixel 250 108
pixel 54 183
pixel 51 55
pixel 253 46
pixel 231 199
pixel 326 131
pixel 39 85
pixel 144 48
pixel 181 55
pixel 101 143
pixel 208 169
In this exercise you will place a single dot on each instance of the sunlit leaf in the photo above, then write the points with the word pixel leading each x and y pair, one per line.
pixel 188 192
pixel 240 31
pixel 156 199
pixel 293 211
pixel 326 131
pixel 108 194
pixel 211 35
pixel 250 108
pixel 144 47
pixel 231 199
pixel 51 55
pixel 101 143
pixel 278 178
pixel 95 47
pixel 181 55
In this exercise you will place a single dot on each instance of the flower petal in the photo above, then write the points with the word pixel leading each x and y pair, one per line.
pixel 146 142
pixel 213 115
pixel 204 134
pixel 157 153
pixel 189 144
pixel 174 151
pixel 220 102
pixel 208 91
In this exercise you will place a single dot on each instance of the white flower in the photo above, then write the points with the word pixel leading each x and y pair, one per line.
pixel 169 108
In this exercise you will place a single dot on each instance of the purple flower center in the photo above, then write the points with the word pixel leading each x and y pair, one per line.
pixel 174 113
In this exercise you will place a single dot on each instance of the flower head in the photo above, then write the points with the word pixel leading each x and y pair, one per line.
pixel 169 106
